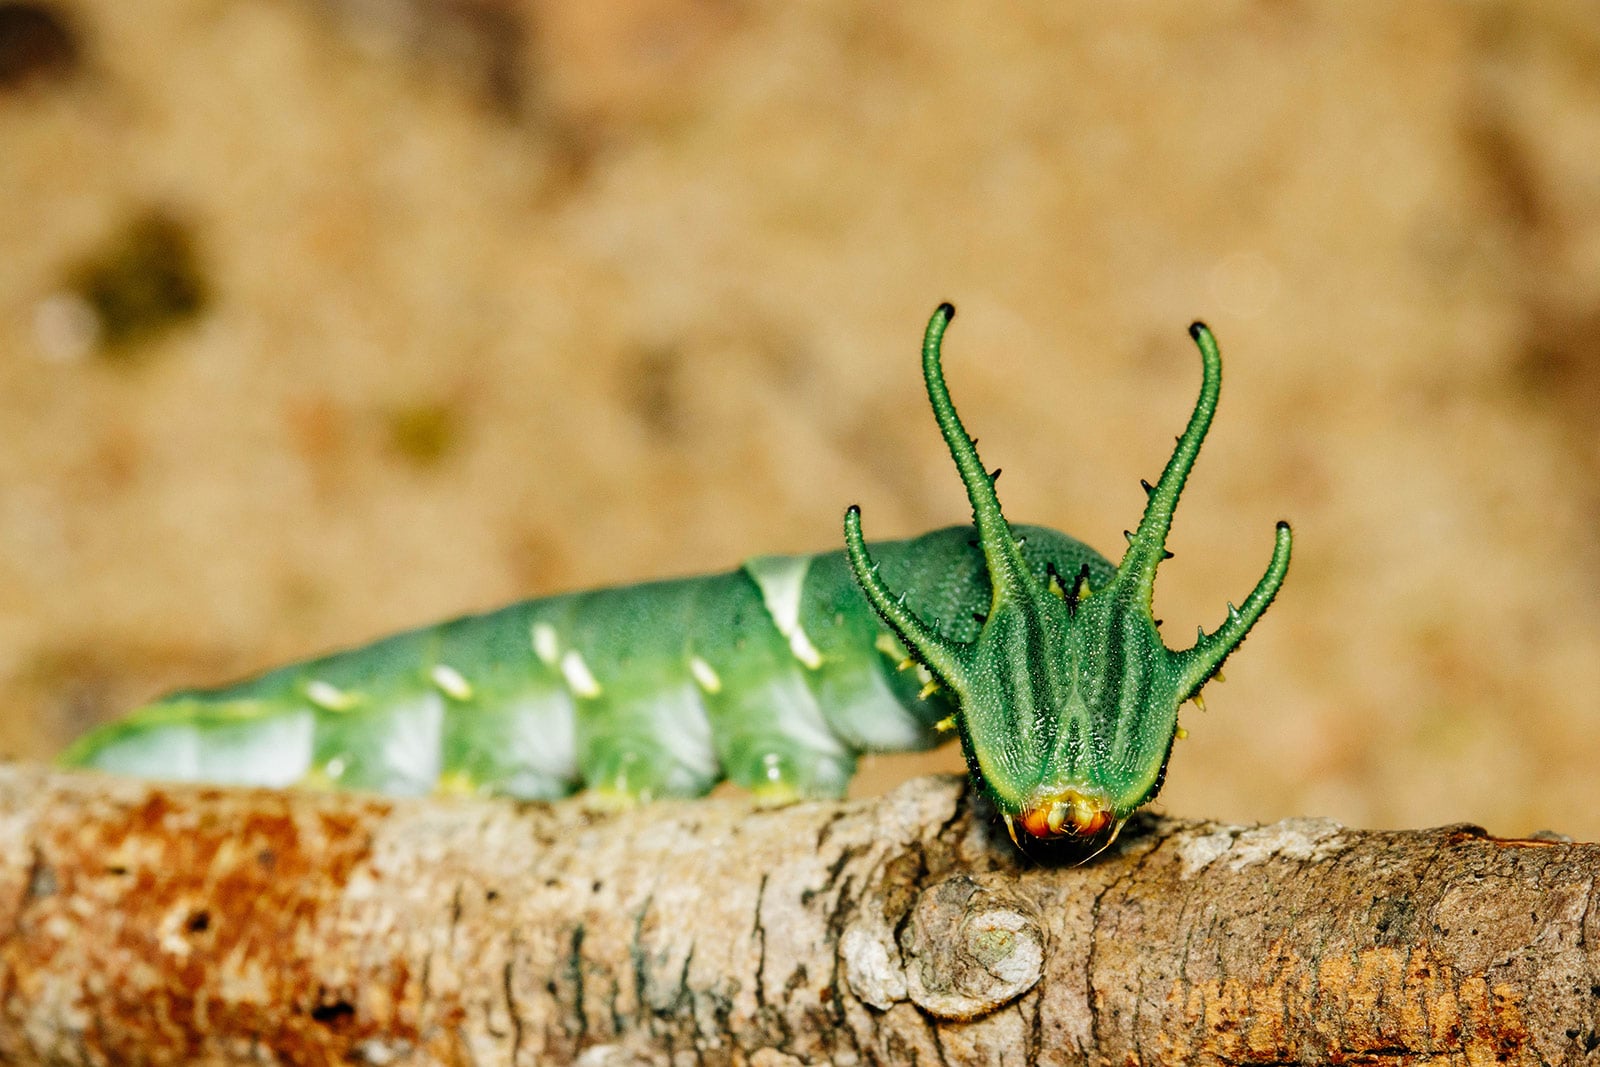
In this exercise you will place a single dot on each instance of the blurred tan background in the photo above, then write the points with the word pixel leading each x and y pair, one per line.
pixel 320 320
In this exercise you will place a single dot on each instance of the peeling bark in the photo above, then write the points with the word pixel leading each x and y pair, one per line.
pixel 156 924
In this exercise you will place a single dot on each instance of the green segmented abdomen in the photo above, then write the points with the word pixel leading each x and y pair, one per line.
pixel 774 676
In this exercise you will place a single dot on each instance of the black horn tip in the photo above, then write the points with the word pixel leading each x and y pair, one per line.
pixel 947 310
pixel 1197 328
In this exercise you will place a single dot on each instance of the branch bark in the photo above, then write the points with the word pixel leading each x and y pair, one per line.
pixel 143 923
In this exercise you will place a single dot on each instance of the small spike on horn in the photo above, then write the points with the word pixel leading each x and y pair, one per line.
pixel 1204 660
pixel 1008 574
pixel 934 651
pixel 1147 545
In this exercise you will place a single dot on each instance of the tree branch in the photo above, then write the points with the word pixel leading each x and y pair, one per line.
pixel 146 923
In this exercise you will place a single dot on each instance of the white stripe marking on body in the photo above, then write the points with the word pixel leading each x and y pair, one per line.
pixel 410 750
pixel 449 680
pixel 781 580
pixel 705 674
pixel 272 750
pixel 684 728
pixel 798 716
pixel 545 645
pixel 330 697
pixel 579 678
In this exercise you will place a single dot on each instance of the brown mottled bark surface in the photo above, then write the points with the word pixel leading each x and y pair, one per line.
pixel 154 924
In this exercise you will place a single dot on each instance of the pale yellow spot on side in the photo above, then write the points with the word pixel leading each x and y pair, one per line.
pixel 456 784
pixel 579 678
pixel 889 645
pixel 774 794
pixel 774 788
pixel 545 645
pixel 610 798
pixel 325 777
pixel 705 675
pixel 330 697
pixel 450 682
pixel 316 780
pixel 1182 734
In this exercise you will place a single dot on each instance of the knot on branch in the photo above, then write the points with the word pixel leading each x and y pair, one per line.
pixel 971 947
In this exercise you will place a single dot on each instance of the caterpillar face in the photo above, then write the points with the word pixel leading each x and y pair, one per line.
pixel 1067 814
pixel 1068 698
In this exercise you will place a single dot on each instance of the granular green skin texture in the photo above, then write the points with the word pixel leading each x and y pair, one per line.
pixel 1043 657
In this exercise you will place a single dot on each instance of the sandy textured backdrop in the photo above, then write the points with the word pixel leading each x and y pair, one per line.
pixel 487 300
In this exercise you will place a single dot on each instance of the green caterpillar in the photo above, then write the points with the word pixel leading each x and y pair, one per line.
pixel 1043 658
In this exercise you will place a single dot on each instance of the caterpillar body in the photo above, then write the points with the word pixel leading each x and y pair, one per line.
pixel 1035 650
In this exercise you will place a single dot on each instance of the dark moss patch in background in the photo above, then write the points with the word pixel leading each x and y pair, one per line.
pixel 37 43
pixel 144 280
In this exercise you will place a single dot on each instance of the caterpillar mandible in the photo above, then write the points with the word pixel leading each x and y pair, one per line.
pixel 1043 658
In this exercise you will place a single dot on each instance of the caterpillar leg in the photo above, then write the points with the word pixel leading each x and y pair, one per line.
pixel 511 721
pixel 522 747
pixel 777 771
pixel 771 735
pixel 642 746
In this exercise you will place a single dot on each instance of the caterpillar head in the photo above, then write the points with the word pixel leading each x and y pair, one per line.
pixel 1067 702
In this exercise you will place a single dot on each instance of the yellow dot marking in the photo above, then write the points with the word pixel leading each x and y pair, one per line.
pixel 928 690
pixel 946 724
pixel 545 645
pixel 450 682
pixel 1198 701
pixel 455 784
pixel 330 697
pixel 1182 734
pixel 705 675
pixel 317 780
pixel 579 678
